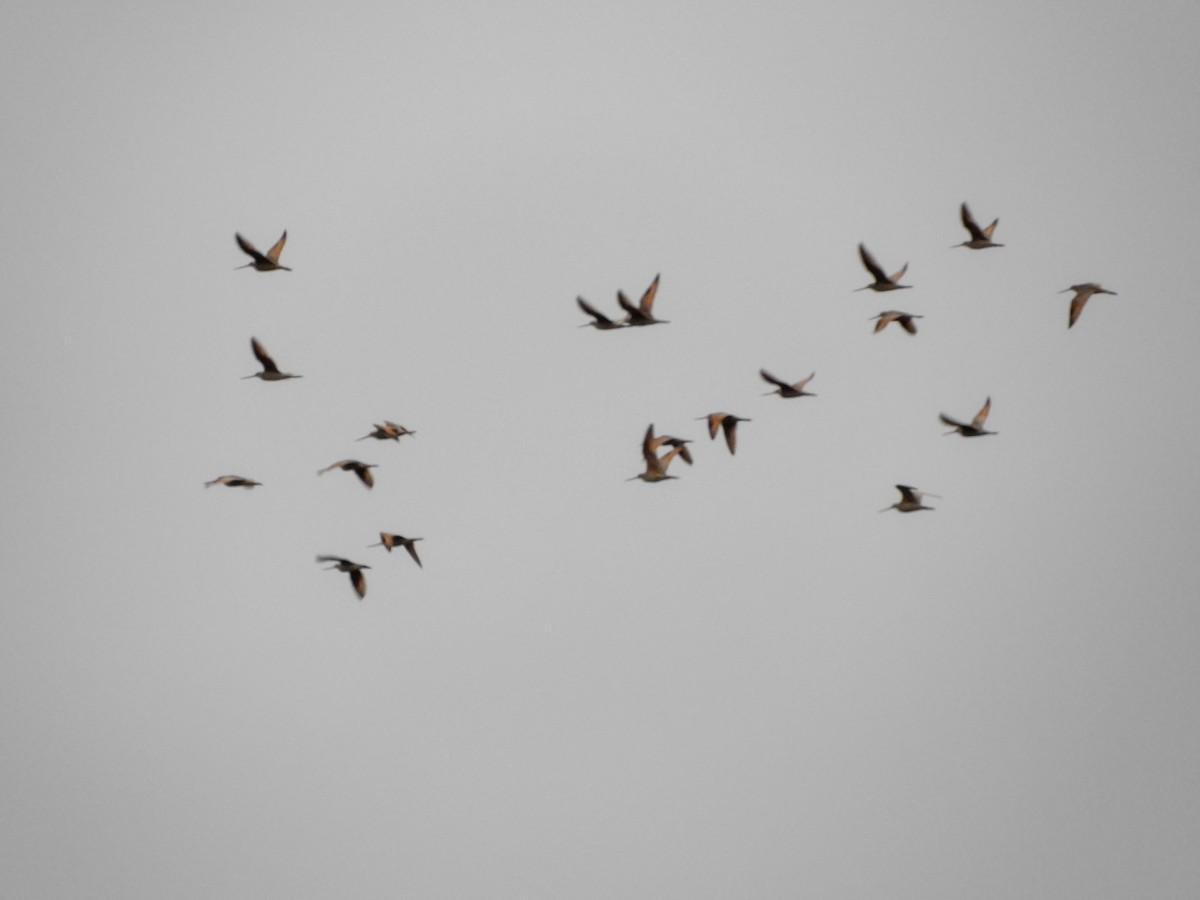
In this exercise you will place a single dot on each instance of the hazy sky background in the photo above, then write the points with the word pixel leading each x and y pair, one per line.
pixel 742 683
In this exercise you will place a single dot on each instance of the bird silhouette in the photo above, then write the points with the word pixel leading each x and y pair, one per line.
pixel 268 262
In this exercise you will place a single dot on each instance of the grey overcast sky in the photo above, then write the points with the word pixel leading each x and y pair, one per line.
pixel 742 683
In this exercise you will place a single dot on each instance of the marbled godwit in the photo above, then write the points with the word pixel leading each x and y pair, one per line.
pixel 642 314
pixel 893 315
pixel 981 238
pixel 234 481
pixel 355 570
pixel 882 281
pixel 270 371
pixel 783 389
pixel 656 467
pixel 362 470
pixel 910 500
pixel 601 321
pixel 1079 301
pixel 726 422
pixel 975 429
pixel 394 540
pixel 261 263
pixel 388 431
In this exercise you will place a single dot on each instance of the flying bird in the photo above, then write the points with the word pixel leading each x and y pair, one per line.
pixel 394 540
pixel 270 371
pixel 981 238
pixel 601 321
pixel 783 389
pixel 234 481
pixel 724 422
pixel 362 470
pixel 641 314
pixel 388 431
pixel 355 569
pixel 882 282
pixel 263 263
pixel 656 466
pixel 1079 301
pixel 975 428
pixel 905 320
pixel 910 500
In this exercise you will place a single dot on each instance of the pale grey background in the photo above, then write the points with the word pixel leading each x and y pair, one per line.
pixel 744 683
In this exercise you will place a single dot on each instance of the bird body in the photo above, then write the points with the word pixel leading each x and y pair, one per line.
pixel 910 500
pixel 905 320
pixel 981 238
pixel 389 541
pixel 362 470
pixel 783 389
pixel 724 422
pixel 1079 301
pixel 270 371
pixel 234 481
pixel 975 427
pixel 883 281
pixel 388 431
pixel 355 569
pixel 263 262
pixel 656 466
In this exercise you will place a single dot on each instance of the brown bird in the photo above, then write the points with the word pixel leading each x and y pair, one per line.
pixel 388 431
pixel 882 282
pixel 783 389
pixel 910 500
pixel 981 238
pixel 394 540
pixel 270 371
pixel 601 321
pixel 355 569
pixel 261 263
pixel 975 428
pixel 726 422
pixel 234 481
pixel 362 470
pixel 642 313
pixel 1079 301
pixel 656 467
pixel 892 315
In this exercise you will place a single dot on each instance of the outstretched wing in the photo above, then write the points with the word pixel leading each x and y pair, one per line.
pixel 1078 302
pixel 730 426
pixel 872 266
pixel 273 253
pixel 647 301
pixel 771 379
pixel 969 223
pixel 981 416
pixel 249 248
pixel 260 354
pixel 593 312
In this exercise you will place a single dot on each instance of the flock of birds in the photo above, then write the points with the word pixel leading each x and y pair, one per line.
pixel 657 461
pixel 387 431
pixel 910 498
